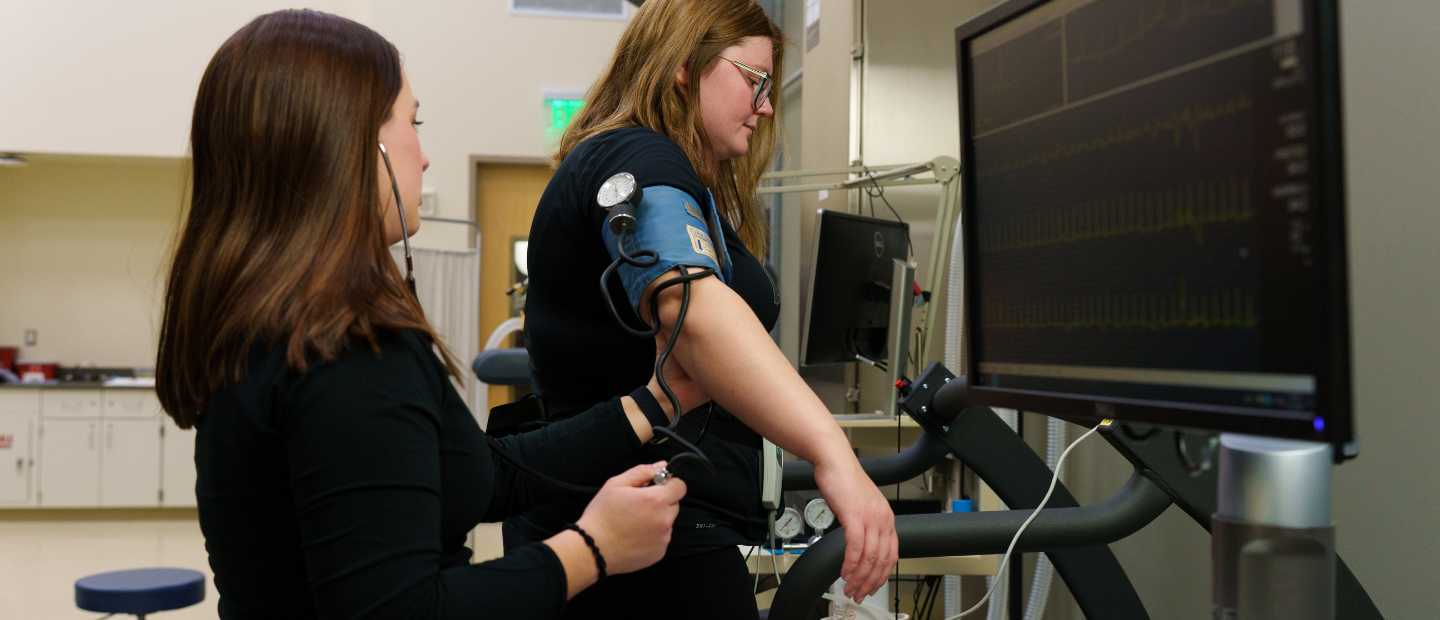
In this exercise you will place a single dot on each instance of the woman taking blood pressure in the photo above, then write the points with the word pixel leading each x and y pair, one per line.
pixel 685 108
pixel 339 471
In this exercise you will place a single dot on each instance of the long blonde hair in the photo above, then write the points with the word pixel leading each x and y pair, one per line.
pixel 639 89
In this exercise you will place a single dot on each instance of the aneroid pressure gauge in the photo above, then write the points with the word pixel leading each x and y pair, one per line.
pixel 620 190
pixel 787 525
pixel 819 516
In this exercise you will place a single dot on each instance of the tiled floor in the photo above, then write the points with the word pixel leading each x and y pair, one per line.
pixel 40 561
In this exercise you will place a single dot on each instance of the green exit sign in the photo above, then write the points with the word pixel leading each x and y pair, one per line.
pixel 562 111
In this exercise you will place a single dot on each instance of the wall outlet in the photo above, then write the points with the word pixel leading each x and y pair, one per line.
pixel 427 203
pixel 31 337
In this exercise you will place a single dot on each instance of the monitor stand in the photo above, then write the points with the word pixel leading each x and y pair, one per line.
pixel 902 300
pixel 1273 544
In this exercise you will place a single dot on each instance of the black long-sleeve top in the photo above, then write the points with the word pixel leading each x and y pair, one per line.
pixel 348 491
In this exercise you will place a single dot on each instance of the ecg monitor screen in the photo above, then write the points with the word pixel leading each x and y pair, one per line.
pixel 1153 213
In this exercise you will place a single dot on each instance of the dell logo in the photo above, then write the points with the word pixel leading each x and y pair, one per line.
pixel 879 244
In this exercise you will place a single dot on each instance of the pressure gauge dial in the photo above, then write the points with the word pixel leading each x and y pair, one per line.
pixel 787 525
pixel 818 515
pixel 617 189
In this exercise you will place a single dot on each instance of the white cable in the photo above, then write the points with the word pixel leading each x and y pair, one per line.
pixel 1005 562
pixel 774 566
pixel 756 589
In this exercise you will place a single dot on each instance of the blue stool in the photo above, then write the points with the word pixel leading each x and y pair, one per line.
pixel 140 591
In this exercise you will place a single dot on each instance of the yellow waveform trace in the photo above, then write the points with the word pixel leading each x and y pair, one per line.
pixel 1230 308
pixel 1192 206
pixel 1161 19
pixel 1186 122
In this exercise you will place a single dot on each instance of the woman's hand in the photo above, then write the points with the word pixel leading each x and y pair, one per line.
pixel 871 547
pixel 631 522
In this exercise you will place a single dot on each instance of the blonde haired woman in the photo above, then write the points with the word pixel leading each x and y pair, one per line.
pixel 686 108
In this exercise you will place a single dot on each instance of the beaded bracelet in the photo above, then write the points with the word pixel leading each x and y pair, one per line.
pixel 590 542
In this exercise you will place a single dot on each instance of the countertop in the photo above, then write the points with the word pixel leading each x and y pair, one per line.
pixel 77 385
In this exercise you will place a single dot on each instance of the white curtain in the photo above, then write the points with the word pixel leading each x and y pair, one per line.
pixel 447 283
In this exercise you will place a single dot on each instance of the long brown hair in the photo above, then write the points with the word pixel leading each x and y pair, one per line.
pixel 639 89
pixel 284 240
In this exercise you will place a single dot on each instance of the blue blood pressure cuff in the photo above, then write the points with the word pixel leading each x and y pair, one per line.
pixel 670 223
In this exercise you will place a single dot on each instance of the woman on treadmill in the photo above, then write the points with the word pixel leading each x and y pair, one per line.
pixel 686 108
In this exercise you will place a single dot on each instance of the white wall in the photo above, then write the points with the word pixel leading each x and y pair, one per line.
pixel 84 241
pixel 112 78
pixel 100 95
pixel 104 78
pixel 478 72
pixel 1387 502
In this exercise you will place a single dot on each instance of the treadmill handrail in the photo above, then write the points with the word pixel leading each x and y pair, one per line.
pixel 1131 508
pixel 905 465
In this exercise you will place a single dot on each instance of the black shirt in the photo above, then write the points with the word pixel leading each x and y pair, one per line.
pixel 348 491
pixel 579 356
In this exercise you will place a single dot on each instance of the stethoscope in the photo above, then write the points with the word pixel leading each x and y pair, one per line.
pixel 620 195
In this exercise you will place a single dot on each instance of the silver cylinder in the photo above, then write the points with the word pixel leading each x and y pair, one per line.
pixel 1278 482
pixel 1272 545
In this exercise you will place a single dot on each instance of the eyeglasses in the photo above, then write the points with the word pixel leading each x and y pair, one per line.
pixel 762 90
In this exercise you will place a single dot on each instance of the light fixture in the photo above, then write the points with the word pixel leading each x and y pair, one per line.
pixel 12 160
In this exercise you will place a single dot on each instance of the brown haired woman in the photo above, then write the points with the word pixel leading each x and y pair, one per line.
pixel 685 108
pixel 339 471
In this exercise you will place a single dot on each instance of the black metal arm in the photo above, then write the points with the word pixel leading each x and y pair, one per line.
pixel 906 465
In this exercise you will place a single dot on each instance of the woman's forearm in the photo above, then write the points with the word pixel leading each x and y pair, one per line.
pixel 725 350
pixel 575 557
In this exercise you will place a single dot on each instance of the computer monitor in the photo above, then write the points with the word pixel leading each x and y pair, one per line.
pixel 1154 213
pixel 852 262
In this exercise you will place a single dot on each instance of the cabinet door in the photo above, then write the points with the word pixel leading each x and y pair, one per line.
pixel 130 466
pixel 178 467
pixel 16 460
pixel 70 463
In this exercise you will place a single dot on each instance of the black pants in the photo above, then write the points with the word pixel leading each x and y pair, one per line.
pixel 712 585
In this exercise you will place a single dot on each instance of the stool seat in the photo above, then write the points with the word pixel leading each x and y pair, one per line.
pixel 140 591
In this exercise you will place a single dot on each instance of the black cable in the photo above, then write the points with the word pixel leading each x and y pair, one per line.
pixel 898 420
pixel 536 474
pixel 648 258
pixel 691 452
pixel 880 193
pixel 705 428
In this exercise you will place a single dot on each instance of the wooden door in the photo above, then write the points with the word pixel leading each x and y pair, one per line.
pixel 505 196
